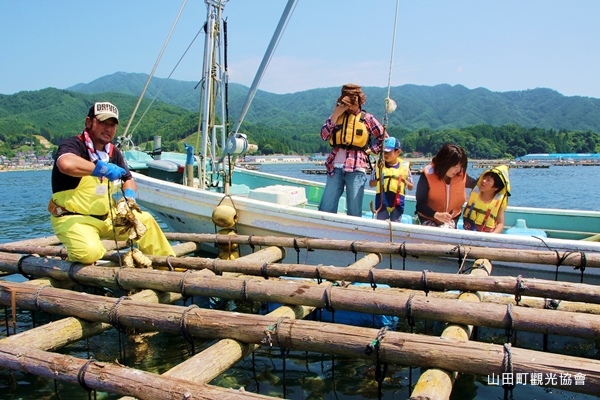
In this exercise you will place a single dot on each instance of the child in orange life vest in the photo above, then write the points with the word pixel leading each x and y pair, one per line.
pixel 488 200
pixel 391 180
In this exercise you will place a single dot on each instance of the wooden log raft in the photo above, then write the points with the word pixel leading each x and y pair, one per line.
pixel 550 257
pixel 396 347
pixel 218 358
pixel 426 281
pixel 381 301
pixel 57 334
pixel 92 374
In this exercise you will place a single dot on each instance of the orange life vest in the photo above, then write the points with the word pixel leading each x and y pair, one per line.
pixel 437 198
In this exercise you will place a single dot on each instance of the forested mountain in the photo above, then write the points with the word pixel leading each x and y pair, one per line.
pixel 489 124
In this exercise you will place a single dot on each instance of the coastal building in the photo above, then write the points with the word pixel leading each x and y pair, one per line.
pixel 274 158
pixel 560 157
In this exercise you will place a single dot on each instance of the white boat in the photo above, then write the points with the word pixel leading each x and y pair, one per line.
pixel 268 204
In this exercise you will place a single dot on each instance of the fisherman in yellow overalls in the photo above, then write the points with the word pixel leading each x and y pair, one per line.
pixel 82 210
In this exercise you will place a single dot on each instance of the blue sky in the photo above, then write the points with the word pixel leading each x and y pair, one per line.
pixel 501 45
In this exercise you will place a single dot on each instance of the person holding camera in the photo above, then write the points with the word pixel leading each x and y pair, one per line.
pixel 353 134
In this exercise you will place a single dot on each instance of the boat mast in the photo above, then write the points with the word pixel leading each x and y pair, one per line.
pixel 213 80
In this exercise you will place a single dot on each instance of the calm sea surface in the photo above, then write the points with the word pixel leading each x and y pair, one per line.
pixel 23 215
pixel 25 194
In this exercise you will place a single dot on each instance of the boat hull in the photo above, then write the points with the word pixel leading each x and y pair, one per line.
pixel 188 209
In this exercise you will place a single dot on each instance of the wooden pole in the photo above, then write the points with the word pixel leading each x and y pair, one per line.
pixel 436 383
pixel 113 378
pixel 396 347
pixel 364 300
pixel 419 280
pixel 550 257
pixel 57 334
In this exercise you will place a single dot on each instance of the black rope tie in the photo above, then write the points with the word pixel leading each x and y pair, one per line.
pixel 353 249
pixel 81 375
pixel 297 251
pixel 61 254
pixel 372 278
pixel 582 265
pixel 520 287
pixel 507 367
pixel 424 280
pixel 380 370
pixel 245 291
pixel 214 268
pixel 118 280
pixel 184 329
pixel 250 243
pixel 272 330
pixel 113 314
pixel 551 304
pixel 460 257
pixel 20 266
pixel 263 270
pixel 182 282
pixel 71 274
pixel 328 304
pixel 402 252
pixel 510 326
pixel 318 273
pixel 409 317
pixel 169 263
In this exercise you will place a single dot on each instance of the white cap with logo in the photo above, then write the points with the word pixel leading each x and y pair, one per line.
pixel 103 111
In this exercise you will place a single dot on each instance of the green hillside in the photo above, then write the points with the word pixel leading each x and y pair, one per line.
pixel 488 124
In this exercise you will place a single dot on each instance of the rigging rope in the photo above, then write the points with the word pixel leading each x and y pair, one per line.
pixel 154 68
pixel 390 105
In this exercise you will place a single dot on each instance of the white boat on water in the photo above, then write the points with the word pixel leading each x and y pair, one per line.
pixel 268 204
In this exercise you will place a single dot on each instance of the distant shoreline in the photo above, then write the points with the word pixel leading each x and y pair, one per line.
pixel 38 168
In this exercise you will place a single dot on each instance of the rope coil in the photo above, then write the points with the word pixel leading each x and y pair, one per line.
pixel 117 280
pixel 183 324
pixel 520 287
pixel 372 278
pixel 273 330
pixel 424 280
pixel 71 274
pixel 507 366
pixel 409 317
pixel 168 260
pixel 20 266
pixel 245 291
pixel 263 270
pixel 36 300
pixel 81 375
pixel 327 298
pixel 113 313
pixel 182 282
pixel 510 326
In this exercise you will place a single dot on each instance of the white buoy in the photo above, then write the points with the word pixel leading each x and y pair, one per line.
pixel 390 105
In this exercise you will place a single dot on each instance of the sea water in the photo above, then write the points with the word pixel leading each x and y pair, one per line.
pixel 23 215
